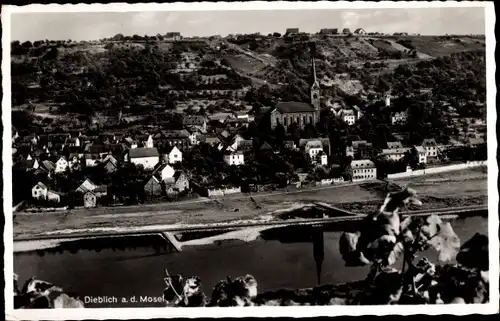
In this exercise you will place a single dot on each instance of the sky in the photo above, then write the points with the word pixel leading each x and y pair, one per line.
pixel 97 25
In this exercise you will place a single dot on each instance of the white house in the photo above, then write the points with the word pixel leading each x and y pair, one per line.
pixel 399 117
pixel 363 169
pixel 53 196
pixel 348 116
pixel 395 154
pixel 39 191
pixel 149 142
pixel 174 156
pixel 61 165
pixel 194 137
pixel 387 100
pixel 431 147
pixel 165 171
pixel 74 142
pixel 323 159
pixel 313 148
pixel 147 157
pixel 422 154
pixel 234 159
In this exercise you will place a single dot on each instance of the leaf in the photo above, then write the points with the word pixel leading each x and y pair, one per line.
pixel 446 242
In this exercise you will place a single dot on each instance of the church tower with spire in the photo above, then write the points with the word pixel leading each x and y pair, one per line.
pixel 315 91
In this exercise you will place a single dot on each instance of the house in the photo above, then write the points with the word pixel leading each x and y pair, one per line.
pixel 321 158
pixel 325 142
pixel 395 154
pixel 211 140
pixel 110 164
pixel 422 154
pixel 28 164
pixel 89 199
pixel 393 145
pixel 234 158
pixel 233 144
pixel 265 148
pixel 292 31
pixel 173 36
pixel 313 148
pixel 194 136
pixel 147 157
pixel 475 142
pixel 399 117
pixel 149 142
pixel 48 166
pixel 328 31
pixel 360 31
pixel 153 187
pixel 181 181
pixel 164 171
pixel 61 165
pixel 363 170
pixel 74 142
pixel 73 160
pixel 348 116
pixel 245 145
pixel 431 148
pixel 39 191
pixel 195 121
pixel 244 115
pixel 174 155
pixel 86 186
pixel 53 196
pixel 91 159
pixel 179 138
pixel 359 149
pixel 100 191
pixel 131 143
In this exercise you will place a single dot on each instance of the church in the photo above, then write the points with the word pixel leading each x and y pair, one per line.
pixel 289 112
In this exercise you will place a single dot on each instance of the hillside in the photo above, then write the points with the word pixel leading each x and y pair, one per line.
pixel 140 76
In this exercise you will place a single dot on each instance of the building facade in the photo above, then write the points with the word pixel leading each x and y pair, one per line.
pixel 363 170
pixel 299 113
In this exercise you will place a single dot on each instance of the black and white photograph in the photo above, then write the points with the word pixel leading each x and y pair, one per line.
pixel 288 159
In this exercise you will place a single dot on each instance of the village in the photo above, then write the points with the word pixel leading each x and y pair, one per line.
pixel 222 144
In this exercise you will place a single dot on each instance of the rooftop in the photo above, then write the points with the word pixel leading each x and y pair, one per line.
pixel 143 152
pixel 294 107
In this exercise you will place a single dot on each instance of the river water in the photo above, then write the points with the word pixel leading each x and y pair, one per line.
pixel 134 267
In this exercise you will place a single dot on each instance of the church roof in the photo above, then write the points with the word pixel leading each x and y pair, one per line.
pixel 294 107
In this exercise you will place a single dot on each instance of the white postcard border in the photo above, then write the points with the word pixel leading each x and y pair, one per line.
pixel 147 313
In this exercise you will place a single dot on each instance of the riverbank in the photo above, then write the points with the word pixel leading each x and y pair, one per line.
pixel 271 258
pixel 437 191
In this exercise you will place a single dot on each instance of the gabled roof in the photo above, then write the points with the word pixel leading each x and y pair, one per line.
pixel 394 145
pixel 362 163
pixel 42 185
pixel 429 142
pixel 48 165
pixel 294 107
pixel 143 152
pixel 178 174
pixel 475 141
pixel 265 146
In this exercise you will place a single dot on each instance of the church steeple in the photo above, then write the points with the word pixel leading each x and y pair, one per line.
pixel 315 90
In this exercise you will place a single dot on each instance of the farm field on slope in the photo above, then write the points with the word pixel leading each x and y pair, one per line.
pixel 436 194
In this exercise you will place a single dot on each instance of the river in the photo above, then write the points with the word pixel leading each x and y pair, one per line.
pixel 134 266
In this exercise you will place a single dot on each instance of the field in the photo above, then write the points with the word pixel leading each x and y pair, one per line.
pixel 356 197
